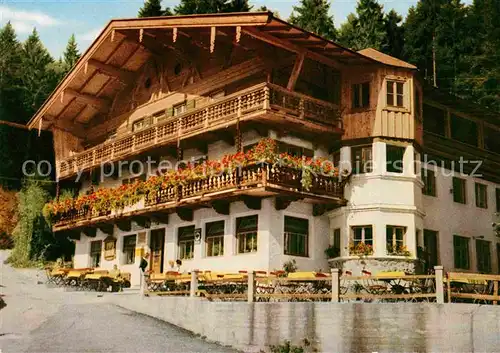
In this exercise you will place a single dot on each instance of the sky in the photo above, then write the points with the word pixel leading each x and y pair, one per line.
pixel 56 20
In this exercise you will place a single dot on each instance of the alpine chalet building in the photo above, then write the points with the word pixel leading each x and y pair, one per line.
pixel 240 142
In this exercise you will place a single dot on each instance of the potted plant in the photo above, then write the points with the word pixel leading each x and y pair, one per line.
pixel 360 249
pixel 332 252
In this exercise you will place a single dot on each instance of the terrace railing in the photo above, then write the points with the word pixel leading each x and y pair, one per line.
pixel 256 100
pixel 245 179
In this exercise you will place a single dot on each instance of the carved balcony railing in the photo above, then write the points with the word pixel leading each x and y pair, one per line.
pixel 267 178
pixel 245 104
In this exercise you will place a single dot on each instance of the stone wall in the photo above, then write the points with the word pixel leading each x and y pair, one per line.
pixel 330 327
pixel 375 265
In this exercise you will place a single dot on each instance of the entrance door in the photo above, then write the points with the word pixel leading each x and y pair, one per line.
pixel 157 250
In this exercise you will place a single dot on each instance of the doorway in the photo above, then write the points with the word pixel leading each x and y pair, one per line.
pixel 157 250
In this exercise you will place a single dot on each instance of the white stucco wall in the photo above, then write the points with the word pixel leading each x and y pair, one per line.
pixel 449 218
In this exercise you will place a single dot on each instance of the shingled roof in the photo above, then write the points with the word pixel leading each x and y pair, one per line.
pixel 385 59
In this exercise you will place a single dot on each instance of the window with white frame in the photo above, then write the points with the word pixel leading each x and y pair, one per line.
pixel 246 234
pixel 186 242
pixel 395 240
pixel 296 236
pixel 95 253
pixel 129 249
pixel 180 108
pixel 395 93
pixel 362 234
pixel 481 195
pixel 214 238
pixel 362 159
pixel 394 158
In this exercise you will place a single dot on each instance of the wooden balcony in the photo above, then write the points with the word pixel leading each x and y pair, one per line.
pixel 255 181
pixel 261 102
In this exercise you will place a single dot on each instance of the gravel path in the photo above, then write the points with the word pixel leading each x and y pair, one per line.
pixel 40 319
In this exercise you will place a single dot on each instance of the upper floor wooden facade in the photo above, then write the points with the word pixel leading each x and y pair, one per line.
pixel 149 83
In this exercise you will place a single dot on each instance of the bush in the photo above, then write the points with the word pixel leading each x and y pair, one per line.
pixel 8 217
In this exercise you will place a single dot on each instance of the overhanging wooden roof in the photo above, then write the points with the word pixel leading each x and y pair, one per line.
pixel 125 45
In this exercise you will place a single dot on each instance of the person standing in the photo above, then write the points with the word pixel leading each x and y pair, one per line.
pixel 143 265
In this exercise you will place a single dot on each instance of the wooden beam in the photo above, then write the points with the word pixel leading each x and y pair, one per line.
pixel 160 217
pixel 282 203
pixel 90 232
pixel 253 203
pixel 287 45
pixel 297 68
pixel 123 76
pixel 77 129
pixel 221 207
pixel 291 35
pixel 106 228
pixel 186 214
pixel 142 221
pixel 87 98
pixel 125 225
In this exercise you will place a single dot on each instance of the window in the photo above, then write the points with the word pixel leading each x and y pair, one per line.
pixel 461 252
pixel 395 239
pixel 464 130
pixel 141 124
pixel 395 93
pixel 429 179
pixel 481 195
pixel 362 234
pixel 361 95
pixel 95 253
pixel 459 190
pixel 214 238
pixel 434 120
pixel 129 249
pixel 362 159
pixel 246 234
pixel 497 197
pixel 296 236
pixel 394 158
pixel 431 248
pixel 180 108
pixel 492 139
pixel 483 256
pixel 295 151
pixel 336 242
pixel 186 242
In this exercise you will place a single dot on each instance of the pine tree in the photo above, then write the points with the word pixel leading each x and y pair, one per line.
pixel 10 73
pixel 36 79
pixel 239 6
pixel 365 29
pixel 313 16
pixel 71 54
pixel 395 34
pixel 479 76
pixel 151 8
pixel 188 7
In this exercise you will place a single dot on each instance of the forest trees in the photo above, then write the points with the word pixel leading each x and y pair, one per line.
pixel 313 16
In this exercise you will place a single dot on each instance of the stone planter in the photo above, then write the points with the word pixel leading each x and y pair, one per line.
pixel 356 264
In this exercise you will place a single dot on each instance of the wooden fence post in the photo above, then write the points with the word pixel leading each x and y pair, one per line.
pixel 438 271
pixel 335 285
pixel 194 284
pixel 495 291
pixel 251 286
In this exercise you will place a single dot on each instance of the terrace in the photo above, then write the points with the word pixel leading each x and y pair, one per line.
pixel 263 102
